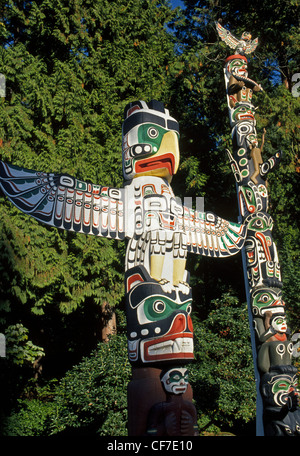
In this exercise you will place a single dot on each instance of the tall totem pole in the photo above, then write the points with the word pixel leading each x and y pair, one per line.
pixel 278 396
pixel 160 233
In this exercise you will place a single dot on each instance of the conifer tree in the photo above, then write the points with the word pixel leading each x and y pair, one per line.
pixel 201 102
pixel 70 68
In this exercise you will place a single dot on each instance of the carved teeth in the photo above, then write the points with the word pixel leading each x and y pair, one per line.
pixel 179 345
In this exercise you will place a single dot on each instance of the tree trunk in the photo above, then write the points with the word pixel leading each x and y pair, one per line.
pixel 109 325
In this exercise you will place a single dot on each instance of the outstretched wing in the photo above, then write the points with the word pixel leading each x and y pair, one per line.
pixel 227 36
pixel 210 235
pixel 65 202
pixel 251 46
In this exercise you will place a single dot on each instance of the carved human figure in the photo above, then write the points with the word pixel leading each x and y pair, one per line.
pixel 281 400
pixel 256 156
pixel 270 337
pixel 239 87
pixel 275 347
pixel 175 416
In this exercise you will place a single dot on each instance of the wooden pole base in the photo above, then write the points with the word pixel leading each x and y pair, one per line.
pixel 144 391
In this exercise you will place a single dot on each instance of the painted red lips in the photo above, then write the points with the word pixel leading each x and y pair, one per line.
pixel 162 161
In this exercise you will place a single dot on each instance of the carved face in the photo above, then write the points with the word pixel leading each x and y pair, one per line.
pixel 246 36
pixel 159 326
pixel 175 381
pixel 280 388
pixel 264 299
pixel 247 200
pixel 237 66
pixel 150 141
pixel 242 112
pixel 279 324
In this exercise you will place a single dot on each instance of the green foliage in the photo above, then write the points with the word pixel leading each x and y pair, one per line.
pixel 70 69
pixel 222 375
pixel 92 396
pixel 31 419
pixel 90 399
pixel 69 74
pixel 19 349
pixel 31 415
pixel 47 267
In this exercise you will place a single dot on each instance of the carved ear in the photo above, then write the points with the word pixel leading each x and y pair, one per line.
pixel 133 280
pixel 156 105
pixel 136 275
pixel 132 107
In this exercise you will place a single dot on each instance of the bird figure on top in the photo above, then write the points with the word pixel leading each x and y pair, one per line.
pixel 243 46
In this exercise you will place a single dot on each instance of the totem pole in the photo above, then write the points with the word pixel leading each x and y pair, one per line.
pixel 160 232
pixel 278 397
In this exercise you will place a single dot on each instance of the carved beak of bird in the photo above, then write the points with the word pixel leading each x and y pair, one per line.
pixel 165 162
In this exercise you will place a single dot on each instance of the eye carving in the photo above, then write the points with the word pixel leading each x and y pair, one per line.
pixel 264 298
pixel 159 306
pixel 152 132
pixel 249 194
pixel 189 309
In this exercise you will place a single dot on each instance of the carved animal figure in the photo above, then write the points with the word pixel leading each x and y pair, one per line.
pixel 242 46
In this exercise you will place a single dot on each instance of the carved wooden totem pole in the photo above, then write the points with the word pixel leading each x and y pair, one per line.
pixel 160 232
pixel 278 396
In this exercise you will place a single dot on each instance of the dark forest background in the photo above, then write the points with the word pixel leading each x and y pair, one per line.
pixel 70 68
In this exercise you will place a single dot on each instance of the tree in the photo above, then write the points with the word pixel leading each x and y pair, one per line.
pixel 201 103
pixel 222 375
pixel 70 69
pixel 89 399
pixel 92 397
pixel 206 134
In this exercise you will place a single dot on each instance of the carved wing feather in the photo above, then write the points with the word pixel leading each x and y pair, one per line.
pixel 251 46
pixel 65 202
pixel 210 235
pixel 227 36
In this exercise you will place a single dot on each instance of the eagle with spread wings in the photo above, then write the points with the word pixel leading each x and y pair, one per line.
pixel 242 46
